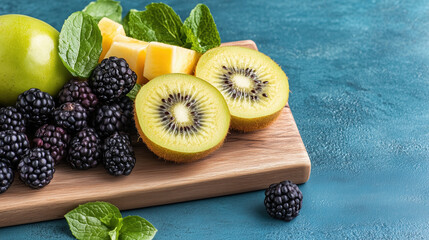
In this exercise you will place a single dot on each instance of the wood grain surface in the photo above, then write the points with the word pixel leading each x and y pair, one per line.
pixel 245 162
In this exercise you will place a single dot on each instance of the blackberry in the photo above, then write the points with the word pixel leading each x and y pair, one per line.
pixel 12 119
pixel 118 155
pixel 36 106
pixel 109 119
pixel 54 139
pixel 71 116
pixel 112 79
pixel 36 169
pixel 6 176
pixel 84 151
pixel 78 91
pixel 13 146
pixel 283 200
pixel 127 108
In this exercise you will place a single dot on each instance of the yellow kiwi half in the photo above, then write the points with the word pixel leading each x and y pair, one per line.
pixel 253 85
pixel 180 117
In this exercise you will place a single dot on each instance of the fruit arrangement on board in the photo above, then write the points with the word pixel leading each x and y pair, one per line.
pixel 78 96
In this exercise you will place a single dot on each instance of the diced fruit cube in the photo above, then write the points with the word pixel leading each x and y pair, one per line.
pixel 163 59
pixel 109 29
pixel 133 51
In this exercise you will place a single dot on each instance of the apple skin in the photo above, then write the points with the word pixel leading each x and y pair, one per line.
pixel 28 58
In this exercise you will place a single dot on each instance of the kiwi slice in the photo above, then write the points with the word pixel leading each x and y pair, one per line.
pixel 181 118
pixel 254 86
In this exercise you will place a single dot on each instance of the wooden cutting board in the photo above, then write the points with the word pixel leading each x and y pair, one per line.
pixel 246 162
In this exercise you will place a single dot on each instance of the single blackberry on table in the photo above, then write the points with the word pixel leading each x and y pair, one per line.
pixel 36 106
pixel 108 119
pixel 127 108
pixel 71 116
pixel 13 145
pixel 112 79
pixel 54 139
pixel 84 150
pixel 6 176
pixel 12 119
pixel 78 91
pixel 118 154
pixel 283 200
pixel 36 169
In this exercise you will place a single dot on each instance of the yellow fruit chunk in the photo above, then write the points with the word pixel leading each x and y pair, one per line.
pixel 163 59
pixel 109 29
pixel 133 51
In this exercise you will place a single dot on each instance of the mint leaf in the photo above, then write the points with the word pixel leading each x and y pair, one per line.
pixel 93 220
pixel 136 228
pixel 200 30
pixel 157 23
pixel 104 8
pixel 133 93
pixel 80 44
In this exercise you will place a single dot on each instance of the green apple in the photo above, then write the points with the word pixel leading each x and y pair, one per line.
pixel 28 58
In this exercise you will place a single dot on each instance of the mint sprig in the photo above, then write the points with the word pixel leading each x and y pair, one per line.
pixel 160 23
pixel 104 8
pixel 80 44
pixel 103 221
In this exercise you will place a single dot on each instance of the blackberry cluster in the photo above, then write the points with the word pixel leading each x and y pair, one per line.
pixel 13 146
pixel 109 118
pixel 127 108
pixel 71 116
pixel 36 106
pixel 36 169
pixel 12 119
pixel 118 155
pixel 112 79
pixel 6 176
pixel 80 92
pixel 84 150
pixel 283 200
pixel 52 138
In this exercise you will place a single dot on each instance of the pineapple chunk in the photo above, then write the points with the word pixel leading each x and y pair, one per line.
pixel 133 51
pixel 163 59
pixel 109 29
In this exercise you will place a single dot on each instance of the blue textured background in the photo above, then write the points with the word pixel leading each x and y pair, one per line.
pixel 359 74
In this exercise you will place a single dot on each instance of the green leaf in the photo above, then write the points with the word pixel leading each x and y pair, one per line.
pixel 93 220
pixel 133 93
pixel 80 44
pixel 104 8
pixel 200 30
pixel 137 228
pixel 157 23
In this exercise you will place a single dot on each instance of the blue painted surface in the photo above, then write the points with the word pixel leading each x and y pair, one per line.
pixel 359 73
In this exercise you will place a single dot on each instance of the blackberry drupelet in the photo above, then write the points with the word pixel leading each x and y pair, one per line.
pixel 36 106
pixel 36 169
pixel 112 79
pixel 71 116
pixel 6 176
pixel 283 200
pixel 78 91
pixel 118 154
pixel 54 139
pixel 13 145
pixel 109 119
pixel 84 150
pixel 12 119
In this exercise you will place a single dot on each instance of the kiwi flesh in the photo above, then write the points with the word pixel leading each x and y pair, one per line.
pixel 180 117
pixel 255 87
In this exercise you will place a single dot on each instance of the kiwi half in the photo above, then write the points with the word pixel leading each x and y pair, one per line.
pixel 180 117
pixel 254 86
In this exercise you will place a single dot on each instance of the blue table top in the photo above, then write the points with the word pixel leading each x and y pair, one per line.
pixel 359 76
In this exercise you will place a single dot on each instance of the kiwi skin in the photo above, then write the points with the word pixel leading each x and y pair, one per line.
pixel 253 124
pixel 171 155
